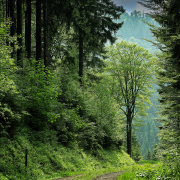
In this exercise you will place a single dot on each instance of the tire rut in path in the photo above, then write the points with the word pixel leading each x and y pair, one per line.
pixel 109 176
pixel 68 178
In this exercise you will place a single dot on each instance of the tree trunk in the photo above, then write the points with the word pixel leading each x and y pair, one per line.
pixel 80 56
pixel 3 9
pixel 45 33
pixel 7 9
pixel 80 52
pixel 7 16
pixel 129 131
pixel 28 28
pixel 38 30
pixel 12 31
pixel 19 32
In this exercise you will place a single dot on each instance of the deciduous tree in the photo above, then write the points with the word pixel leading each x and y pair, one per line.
pixel 132 68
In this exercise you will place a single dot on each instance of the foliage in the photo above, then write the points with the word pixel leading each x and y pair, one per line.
pixel 2 177
pixel 48 159
pixel 128 72
pixel 148 155
pixel 130 79
pixel 38 92
pixel 172 164
pixel 11 109
pixel 49 105
pixel 148 133
pixel 155 156
pixel 136 153
pixel 108 118
pixel 130 32
pixel 147 170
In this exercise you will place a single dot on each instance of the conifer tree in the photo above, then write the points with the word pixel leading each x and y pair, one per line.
pixel 12 5
pixel 38 30
pixel 93 24
pixel 154 154
pixel 19 32
pixel 136 152
pixel 28 28
pixel 169 71
pixel 148 155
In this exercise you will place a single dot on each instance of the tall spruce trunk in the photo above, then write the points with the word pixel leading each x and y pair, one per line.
pixel 45 33
pixel 7 16
pixel 80 56
pixel 3 11
pixel 19 32
pixel 80 52
pixel 12 30
pixel 28 29
pixel 38 30
pixel 7 8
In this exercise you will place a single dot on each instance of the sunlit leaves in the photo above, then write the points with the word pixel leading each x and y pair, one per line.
pixel 130 69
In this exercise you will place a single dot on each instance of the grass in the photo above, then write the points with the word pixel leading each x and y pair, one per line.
pixel 148 162
pixel 48 159
pixel 142 170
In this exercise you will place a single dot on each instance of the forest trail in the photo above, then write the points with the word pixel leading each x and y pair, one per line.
pixel 70 177
pixel 107 176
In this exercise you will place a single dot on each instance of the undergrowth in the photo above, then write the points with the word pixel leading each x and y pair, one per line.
pixel 150 170
pixel 48 159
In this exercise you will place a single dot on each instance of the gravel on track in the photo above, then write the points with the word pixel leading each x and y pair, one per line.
pixel 107 176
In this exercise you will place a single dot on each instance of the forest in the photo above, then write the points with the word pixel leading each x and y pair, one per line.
pixel 86 88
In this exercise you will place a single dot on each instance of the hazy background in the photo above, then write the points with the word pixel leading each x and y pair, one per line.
pixel 131 5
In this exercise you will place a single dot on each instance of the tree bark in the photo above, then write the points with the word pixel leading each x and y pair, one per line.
pixel 7 9
pixel 129 131
pixel 45 33
pixel 38 30
pixel 80 54
pixel 28 29
pixel 19 32
pixel 7 16
pixel 3 9
pixel 80 51
pixel 12 30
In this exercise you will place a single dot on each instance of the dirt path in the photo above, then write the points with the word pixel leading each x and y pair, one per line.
pixel 107 176
pixel 70 177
